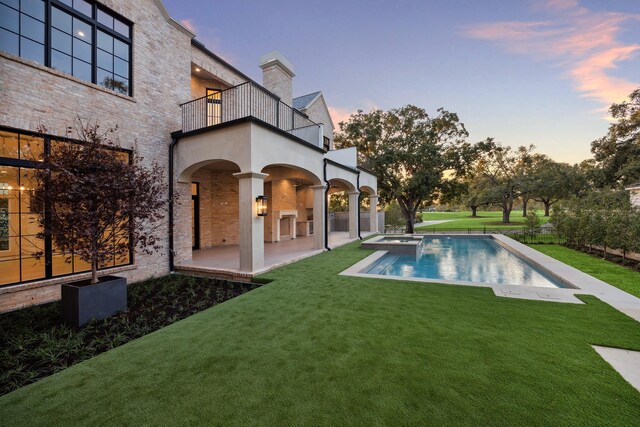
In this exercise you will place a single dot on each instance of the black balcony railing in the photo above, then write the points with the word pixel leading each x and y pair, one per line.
pixel 248 100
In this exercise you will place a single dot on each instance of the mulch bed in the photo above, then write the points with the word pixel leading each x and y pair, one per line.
pixel 35 342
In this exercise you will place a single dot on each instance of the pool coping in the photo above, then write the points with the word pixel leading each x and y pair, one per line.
pixel 583 283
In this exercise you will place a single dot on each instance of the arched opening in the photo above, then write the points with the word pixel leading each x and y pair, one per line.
pixel 342 206
pixel 293 225
pixel 369 215
pixel 207 217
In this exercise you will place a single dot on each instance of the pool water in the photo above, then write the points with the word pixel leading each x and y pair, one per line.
pixel 464 259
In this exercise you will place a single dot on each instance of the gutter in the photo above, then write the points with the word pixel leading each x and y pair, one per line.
pixel 326 205
pixel 358 207
pixel 174 142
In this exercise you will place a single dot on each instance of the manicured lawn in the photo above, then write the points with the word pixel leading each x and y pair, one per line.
pixel 463 220
pixel 617 275
pixel 315 348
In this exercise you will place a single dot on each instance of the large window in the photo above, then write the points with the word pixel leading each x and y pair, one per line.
pixel 76 37
pixel 23 256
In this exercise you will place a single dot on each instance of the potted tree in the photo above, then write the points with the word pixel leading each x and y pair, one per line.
pixel 99 203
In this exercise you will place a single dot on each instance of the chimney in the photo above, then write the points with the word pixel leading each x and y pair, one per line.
pixel 277 75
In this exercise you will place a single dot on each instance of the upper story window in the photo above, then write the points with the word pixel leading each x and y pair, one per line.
pixel 77 37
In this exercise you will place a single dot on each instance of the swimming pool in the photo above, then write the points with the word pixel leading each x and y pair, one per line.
pixel 464 259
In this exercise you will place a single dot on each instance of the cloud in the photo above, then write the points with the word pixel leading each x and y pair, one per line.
pixel 584 43
pixel 340 115
pixel 189 25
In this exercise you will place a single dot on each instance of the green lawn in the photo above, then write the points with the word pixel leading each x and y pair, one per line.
pixel 315 348
pixel 621 277
pixel 463 220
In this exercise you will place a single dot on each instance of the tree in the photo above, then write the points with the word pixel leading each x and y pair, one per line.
pixel 502 170
pixel 409 152
pixel 618 153
pixel 99 203
pixel 553 181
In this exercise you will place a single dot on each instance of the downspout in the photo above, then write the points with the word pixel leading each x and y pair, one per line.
pixel 358 207
pixel 326 206
pixel 174 142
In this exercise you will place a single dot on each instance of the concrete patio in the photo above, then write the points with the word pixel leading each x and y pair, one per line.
pixel 225 260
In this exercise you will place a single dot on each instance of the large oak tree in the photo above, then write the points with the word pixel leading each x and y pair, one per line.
pixel 409 151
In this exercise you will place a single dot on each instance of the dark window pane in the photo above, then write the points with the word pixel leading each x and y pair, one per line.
pixel 83 7
pixel 121 67
pixel 121 49
pixel 105 61
pixel 105 42
pixel 13 3
pixel 104 78
pixel 121 27
pixel 9 18
pixel 81 30
pixel 81 50
pixel 105 18
pixel 121 85
pixel 9 42
pixel 60 62
pixel 61 41
pixel 31 28
pixel 31 50
pixel 61 20
pixel 34 8
pixel 82 70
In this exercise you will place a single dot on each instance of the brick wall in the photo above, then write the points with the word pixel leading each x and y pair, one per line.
pixel 33 94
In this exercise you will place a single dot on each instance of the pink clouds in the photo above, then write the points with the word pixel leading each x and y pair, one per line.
pixel 340 115
pixel 189 25
pixel 584 43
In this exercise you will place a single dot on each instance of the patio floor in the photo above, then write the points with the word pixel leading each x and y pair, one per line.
pixel 226 259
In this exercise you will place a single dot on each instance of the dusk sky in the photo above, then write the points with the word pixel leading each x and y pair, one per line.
pixel 540 72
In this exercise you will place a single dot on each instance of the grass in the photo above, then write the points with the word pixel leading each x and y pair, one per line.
pixel 35 342
pixel 463 221
pixel 617 275
pixel 315 348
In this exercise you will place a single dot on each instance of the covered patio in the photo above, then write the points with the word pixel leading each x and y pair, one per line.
pixel 224 260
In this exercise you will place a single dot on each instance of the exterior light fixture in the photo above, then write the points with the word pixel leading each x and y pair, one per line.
pixel 261 205
pixel 198 70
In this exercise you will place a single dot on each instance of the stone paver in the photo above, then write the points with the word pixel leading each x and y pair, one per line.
pixel 626 362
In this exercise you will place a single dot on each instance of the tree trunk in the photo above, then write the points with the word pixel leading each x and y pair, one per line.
pixel 505 216
pixel 524 207
pixel 547 207
pixel 94 270
pixel 411 217
pixel 474 210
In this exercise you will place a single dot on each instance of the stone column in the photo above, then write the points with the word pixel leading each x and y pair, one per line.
pixel 373 213
pixel 318 216
pixel 251 225
pixel 354 211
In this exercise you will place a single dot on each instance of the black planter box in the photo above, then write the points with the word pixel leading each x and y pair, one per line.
pixel 82 301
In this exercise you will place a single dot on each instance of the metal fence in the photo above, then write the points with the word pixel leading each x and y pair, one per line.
pixel 248 100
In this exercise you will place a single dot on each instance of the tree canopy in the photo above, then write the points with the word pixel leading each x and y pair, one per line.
pixel 617 154
pixel 409 152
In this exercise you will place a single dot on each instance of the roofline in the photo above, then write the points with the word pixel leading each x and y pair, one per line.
pixel 173 22
pixel 200 46
pixel 318 93
pixel 633 187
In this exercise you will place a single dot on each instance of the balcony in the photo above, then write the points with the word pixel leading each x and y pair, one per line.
pixel 248 100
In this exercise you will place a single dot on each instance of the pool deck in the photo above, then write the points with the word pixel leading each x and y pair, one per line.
pixel 582 283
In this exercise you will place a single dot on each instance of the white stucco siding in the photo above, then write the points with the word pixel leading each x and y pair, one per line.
pixel 271 148
pixel 368 182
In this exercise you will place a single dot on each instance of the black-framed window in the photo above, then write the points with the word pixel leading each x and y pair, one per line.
pixel 214 106
pixel 20 247
pixel 76 37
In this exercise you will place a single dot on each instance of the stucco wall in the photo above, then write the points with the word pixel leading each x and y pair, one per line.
pixel 635 197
